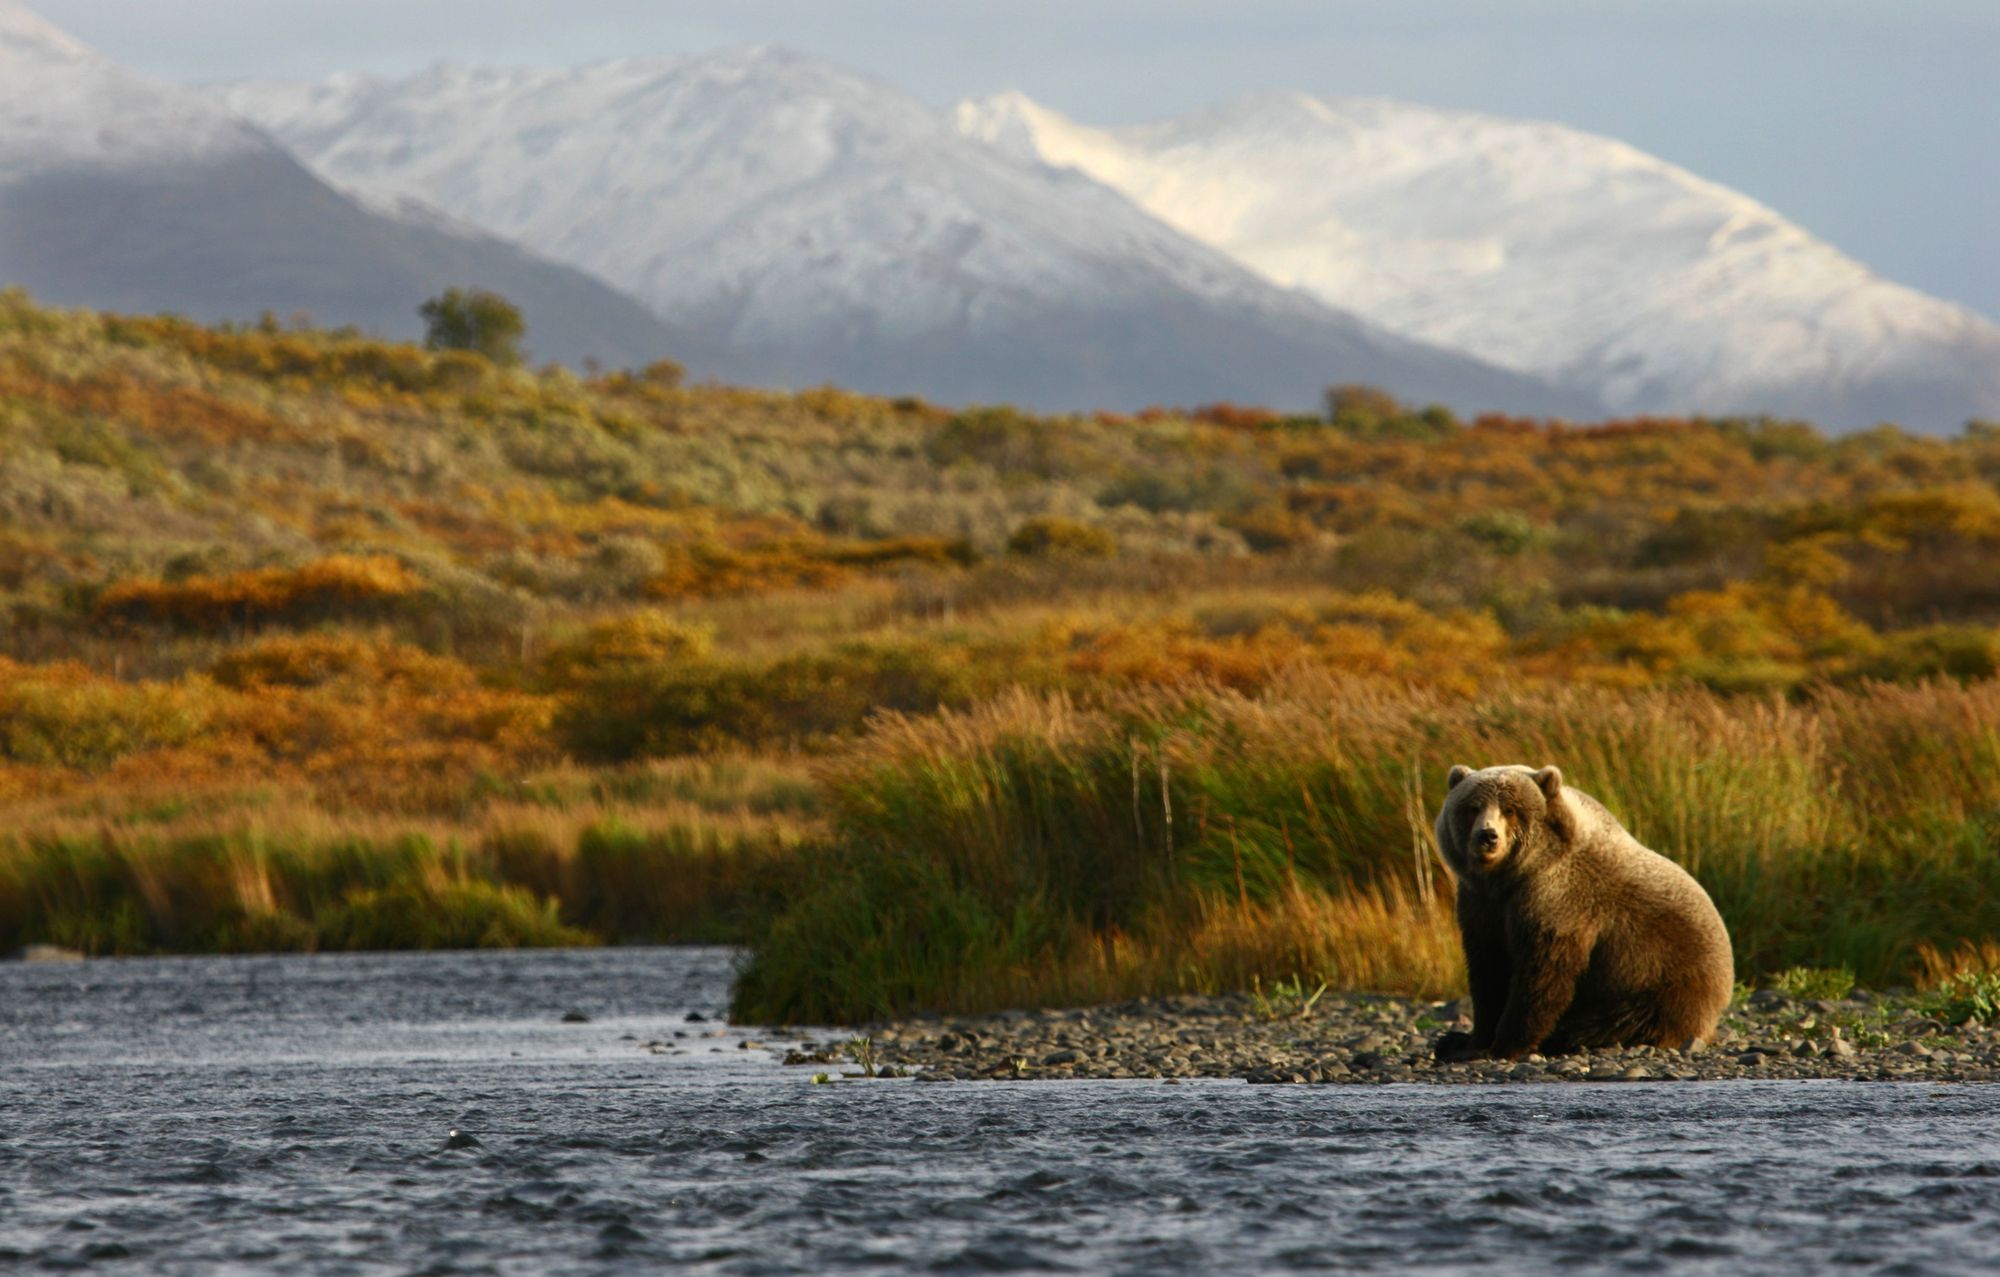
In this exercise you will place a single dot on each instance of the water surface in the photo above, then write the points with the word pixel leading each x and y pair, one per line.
pixel 291 1114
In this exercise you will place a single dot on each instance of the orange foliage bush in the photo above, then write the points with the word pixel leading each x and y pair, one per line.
pixel 315 660
pixel 628 642
pixel 342 585
pixel 710 569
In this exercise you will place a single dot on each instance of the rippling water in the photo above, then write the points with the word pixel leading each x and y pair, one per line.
pixel 291 1114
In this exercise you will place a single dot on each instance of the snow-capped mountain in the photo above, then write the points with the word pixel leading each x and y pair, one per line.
pixel 125 194
pixel 1540 248
pixel 62 106
pixel 812 224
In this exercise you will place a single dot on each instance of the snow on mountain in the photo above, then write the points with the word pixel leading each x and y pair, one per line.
pixel 813 224
pixel 1539 248
pixel 121 193
pixel 62 104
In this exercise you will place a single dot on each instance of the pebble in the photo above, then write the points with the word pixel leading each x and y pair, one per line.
pixel 1366 1039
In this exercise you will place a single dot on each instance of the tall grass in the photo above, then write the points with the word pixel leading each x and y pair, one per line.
pixel 683 851
pixel 245 892
pixel 1040 850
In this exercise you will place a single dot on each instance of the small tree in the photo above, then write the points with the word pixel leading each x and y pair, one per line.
pixel 475 320
pixel 1351 402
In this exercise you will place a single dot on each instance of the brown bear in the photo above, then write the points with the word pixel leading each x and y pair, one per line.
pixel 1575 935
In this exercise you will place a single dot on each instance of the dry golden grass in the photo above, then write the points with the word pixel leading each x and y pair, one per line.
pixel 1937 968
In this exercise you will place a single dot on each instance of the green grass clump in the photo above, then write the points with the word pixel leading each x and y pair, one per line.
pixel 1964 998
pixel 1810 983
pixel 1287 999
pixel 455 915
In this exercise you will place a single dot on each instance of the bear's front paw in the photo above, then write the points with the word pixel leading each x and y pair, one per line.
pixel 1455 1046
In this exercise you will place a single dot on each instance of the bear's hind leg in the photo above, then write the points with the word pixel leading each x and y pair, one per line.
pixel 1600 1022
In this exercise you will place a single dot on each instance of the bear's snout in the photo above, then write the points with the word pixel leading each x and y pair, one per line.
pixel 1486 841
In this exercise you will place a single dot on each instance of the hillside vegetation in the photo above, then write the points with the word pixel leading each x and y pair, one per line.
pixel 316 641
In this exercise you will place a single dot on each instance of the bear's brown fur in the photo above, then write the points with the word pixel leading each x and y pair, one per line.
pixel 1575 935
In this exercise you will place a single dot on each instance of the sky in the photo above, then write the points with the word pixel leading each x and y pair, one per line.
pixel 1875 124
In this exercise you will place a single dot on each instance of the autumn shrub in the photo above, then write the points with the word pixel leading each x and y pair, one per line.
pixel 64 716
pixel 1014 444
pixel 1237 416
pixel 1182 484
pixel 20 316
pixel 1745 637
pixel 679 708
pixel 635 640
pixel 338 586
pixel 712 569
pixel 1051 537
pixel 315 660
pixel 1272 528
pixel 942 552
pixel 1961 652
pixel 1370 413
pixel 1165 653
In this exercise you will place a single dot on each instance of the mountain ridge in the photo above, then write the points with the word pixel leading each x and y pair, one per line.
pixel 118 192
pixel 767 216
pixel 813 224
pixel 1539 247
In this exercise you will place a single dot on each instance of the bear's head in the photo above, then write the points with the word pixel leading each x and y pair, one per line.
pixel 1501 821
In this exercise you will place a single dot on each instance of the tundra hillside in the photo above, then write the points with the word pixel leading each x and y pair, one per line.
pixel 315 641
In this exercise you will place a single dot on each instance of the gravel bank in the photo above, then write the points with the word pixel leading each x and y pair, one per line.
pixel 1369 1039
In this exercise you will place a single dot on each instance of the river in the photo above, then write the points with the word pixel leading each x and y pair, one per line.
pixel 295 1114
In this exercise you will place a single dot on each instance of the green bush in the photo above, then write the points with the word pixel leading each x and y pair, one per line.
pixel 1504 532
pixel 1966 998
pixel 456 915
pixel 1809 983
pixel 474 320
pixel 1939 651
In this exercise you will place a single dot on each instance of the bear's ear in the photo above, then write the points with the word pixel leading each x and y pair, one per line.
pixel 1456 774
pixel 1550 781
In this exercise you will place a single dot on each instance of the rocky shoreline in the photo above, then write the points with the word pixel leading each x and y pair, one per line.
pixel 1367 1039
